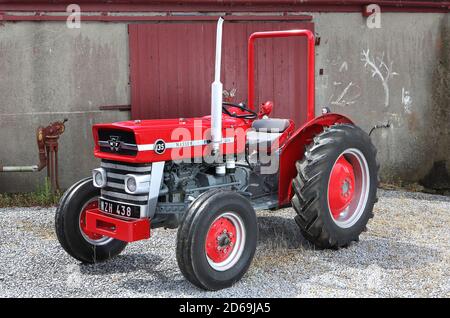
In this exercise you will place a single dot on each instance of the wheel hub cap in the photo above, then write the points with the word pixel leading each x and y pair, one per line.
pixel 220 240
pixel 341 187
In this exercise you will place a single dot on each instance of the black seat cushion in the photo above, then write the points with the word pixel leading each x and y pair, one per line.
pixel 271 124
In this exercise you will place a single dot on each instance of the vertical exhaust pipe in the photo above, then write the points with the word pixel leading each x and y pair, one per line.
pixel 216 95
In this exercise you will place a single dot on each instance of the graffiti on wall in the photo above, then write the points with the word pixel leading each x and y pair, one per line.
pixel 346 98
pixel 380 69
pixel 345 92
pixel 406 100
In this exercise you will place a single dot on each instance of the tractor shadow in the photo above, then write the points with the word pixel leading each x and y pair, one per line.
pixel 156 277
pixel 122 264
pixel 281 233
pixel 160 284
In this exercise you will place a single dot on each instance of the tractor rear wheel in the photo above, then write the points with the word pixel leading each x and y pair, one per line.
pixel 335 189
pixel 217 240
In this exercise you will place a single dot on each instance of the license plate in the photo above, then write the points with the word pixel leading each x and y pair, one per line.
pixel 119 209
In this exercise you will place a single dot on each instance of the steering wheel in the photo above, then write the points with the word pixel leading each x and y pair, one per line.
pixel 250 114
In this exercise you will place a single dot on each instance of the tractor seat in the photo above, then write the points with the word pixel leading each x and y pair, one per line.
pixel 271 125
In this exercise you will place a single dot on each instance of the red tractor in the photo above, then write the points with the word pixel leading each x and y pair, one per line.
pixel 207 176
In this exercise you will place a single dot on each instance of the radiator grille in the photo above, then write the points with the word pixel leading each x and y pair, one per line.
pixel 115 177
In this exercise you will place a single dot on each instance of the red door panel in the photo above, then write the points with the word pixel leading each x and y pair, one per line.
pixel 172 68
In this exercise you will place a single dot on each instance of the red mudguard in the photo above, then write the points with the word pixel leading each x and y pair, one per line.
pixel 294 149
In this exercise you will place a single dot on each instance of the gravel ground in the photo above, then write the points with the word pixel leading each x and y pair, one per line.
pixel 404 253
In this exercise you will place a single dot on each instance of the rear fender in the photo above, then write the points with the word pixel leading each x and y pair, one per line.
pixel 294 150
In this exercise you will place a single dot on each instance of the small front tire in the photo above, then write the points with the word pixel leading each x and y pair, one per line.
pixel 70 226
pixel 217 239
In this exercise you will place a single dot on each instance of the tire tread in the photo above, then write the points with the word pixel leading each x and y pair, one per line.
pixel 307 188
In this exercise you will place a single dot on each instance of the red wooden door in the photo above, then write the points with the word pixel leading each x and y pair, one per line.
pixel 172 68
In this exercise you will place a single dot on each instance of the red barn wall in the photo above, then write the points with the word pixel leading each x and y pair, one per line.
pixel 172 68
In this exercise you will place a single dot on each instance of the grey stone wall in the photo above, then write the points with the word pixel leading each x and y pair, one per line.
pixel 48 73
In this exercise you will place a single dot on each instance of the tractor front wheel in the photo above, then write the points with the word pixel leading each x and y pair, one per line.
pixel 335 189
pixel 70 225
pixel 217 240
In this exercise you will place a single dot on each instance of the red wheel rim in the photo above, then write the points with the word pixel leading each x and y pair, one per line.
pixel 341 186
pixel 89 206
pixel 220 240
pixel 225 241
pixel 348 188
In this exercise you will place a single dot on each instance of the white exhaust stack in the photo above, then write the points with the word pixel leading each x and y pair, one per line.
pixel 216 94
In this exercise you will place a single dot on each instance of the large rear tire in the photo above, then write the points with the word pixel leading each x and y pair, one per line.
pixel 335 189
pixel 217 240
pixel 70 226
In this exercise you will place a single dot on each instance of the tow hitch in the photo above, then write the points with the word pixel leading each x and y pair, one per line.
pixel 120 229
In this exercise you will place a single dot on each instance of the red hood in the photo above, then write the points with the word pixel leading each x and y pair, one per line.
pixel 147 132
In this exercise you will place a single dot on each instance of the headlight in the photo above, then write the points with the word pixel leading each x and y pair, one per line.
pixel 99 177
pixel 136 183
pixel 131 184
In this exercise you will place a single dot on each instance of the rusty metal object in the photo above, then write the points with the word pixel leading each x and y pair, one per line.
pixel 49 136
pixel 47 141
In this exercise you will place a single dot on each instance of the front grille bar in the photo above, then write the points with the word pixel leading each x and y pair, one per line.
pixel 118 166
pixel 131 197
pixel 115 185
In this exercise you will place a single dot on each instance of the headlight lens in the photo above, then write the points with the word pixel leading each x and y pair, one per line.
pixel 99 176
pixel 137 183
pixel 131 184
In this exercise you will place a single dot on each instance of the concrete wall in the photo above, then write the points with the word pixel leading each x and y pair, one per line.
pixel 397 74
pixel 49 72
